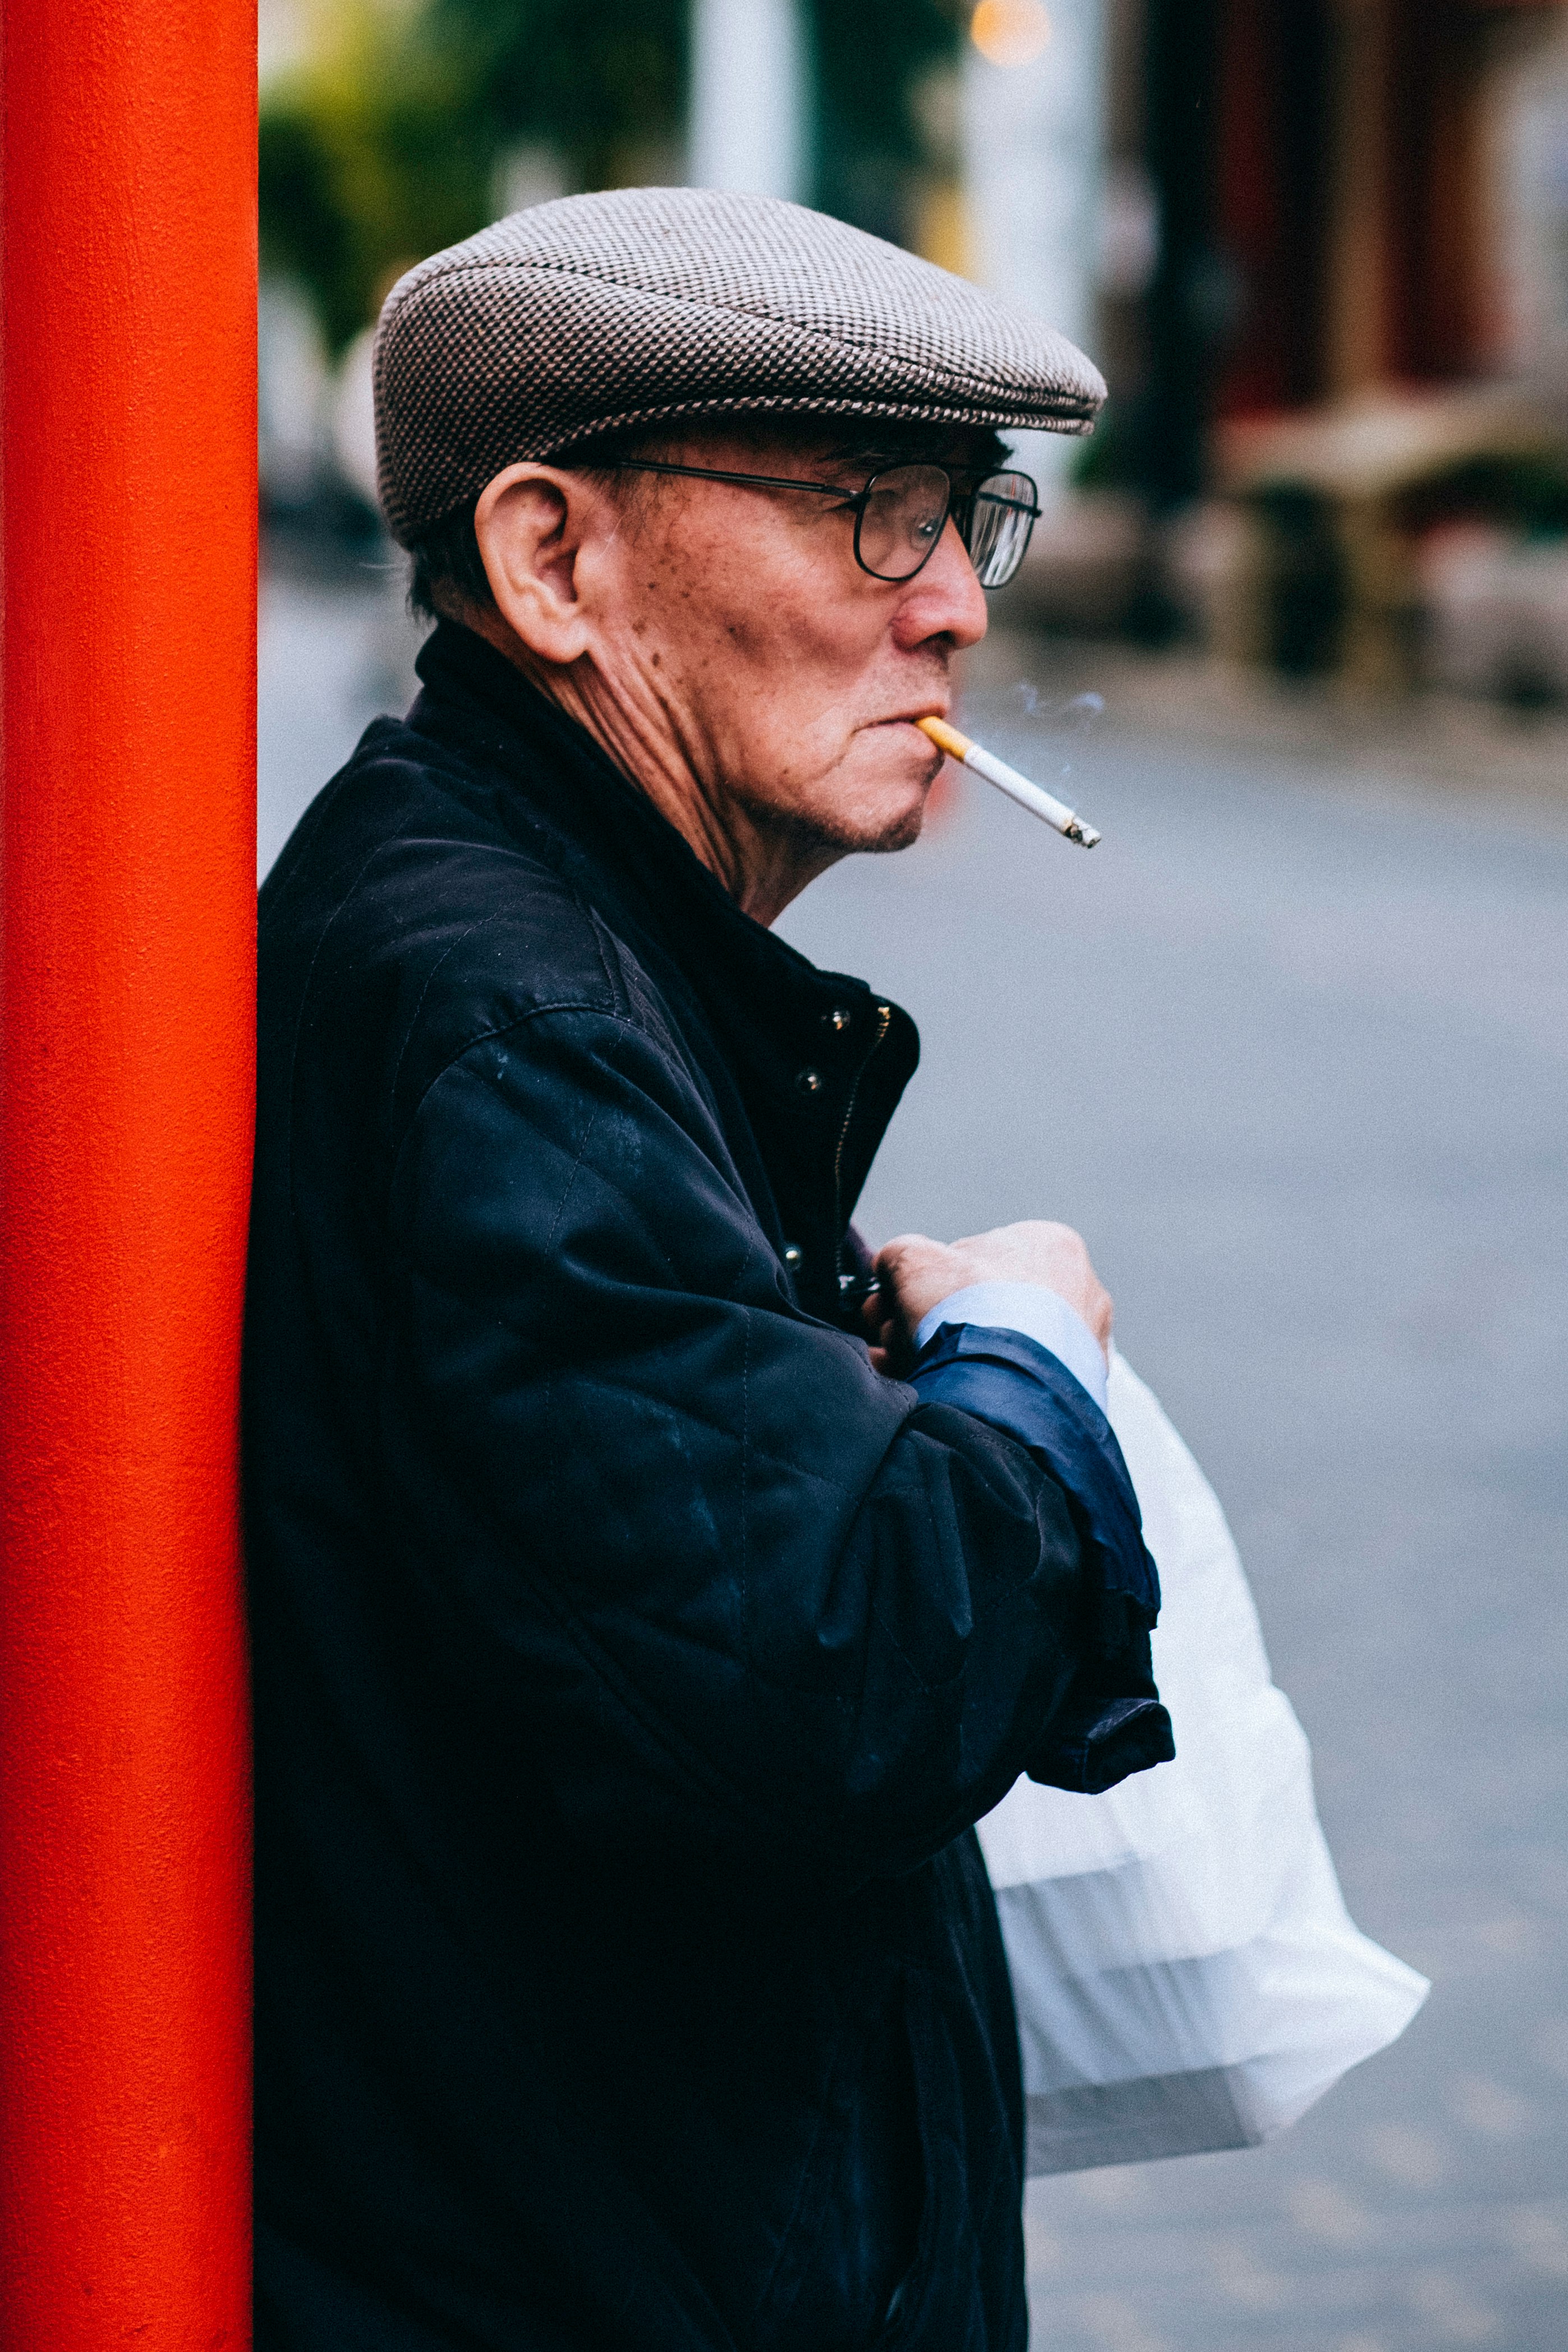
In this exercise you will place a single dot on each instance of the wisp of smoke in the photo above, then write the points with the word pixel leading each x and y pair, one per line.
pixel 1071 717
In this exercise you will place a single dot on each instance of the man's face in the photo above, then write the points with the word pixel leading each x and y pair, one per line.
pixel 789 677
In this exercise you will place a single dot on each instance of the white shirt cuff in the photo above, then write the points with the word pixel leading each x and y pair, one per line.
pixel 1036 1312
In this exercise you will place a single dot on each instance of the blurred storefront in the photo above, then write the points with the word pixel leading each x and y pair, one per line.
pixel 1321 247
pixel 1356 336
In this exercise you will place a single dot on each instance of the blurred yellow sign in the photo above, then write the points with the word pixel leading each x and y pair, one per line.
pixel 1010 32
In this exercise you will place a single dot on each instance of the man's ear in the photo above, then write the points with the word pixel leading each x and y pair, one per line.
pixel 530 524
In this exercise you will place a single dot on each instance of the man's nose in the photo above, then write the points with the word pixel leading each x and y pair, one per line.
pixel 943 599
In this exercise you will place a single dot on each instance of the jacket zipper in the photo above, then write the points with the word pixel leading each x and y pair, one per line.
pixel 884 1023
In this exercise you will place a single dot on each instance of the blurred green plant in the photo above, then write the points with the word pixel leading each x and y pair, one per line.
pixel 1524 491
pixel 872 59
pixel 1109 458
pixel 371 155
pixel 603 83
pixel 388 142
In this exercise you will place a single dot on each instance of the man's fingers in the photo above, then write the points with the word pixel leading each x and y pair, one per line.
pixel 917 1272
pixel 900 1263
pixel 901 1250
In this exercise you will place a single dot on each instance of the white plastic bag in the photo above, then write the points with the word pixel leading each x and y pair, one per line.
pixel 1186 1973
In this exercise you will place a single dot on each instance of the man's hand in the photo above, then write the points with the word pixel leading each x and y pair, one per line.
pixel 916 1273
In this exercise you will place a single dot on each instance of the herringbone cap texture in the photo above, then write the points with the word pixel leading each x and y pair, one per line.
pixel 628 309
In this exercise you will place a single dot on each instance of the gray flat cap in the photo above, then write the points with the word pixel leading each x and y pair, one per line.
pixel 604 313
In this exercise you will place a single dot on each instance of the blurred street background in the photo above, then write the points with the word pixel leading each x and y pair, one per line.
pixel 1292 1047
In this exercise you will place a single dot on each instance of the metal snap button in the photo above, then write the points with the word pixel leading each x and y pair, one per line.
pixel 792 1256
pixel 839 1019
pixel 809 1081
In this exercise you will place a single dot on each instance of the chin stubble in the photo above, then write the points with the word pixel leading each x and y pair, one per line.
pixel 809 838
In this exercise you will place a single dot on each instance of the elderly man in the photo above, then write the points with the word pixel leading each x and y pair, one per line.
pixel 646 1603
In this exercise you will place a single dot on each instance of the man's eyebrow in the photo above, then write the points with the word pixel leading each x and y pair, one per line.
pixel 862 453
pixel 876 456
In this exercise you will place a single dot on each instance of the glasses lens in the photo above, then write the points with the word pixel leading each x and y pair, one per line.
pixel 901 520
pixel 1001 517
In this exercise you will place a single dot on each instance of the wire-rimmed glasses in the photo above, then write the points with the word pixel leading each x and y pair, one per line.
pixel 903 511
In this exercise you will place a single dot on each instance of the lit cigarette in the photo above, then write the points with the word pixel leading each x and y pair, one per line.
pixel 1007 780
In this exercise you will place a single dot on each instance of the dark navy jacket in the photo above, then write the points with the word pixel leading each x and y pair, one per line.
pixel 631 1660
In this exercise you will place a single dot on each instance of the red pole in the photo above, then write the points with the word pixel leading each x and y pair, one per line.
pixel 127 924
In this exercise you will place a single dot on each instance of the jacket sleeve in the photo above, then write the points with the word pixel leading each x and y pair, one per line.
pixel 740 1585
pixel 1112 1723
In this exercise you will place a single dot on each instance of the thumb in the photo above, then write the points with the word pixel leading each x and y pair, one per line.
pixel 912 1270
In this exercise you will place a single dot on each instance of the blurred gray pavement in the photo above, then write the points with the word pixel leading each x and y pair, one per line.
pixel 336 648
pixel 1291 1049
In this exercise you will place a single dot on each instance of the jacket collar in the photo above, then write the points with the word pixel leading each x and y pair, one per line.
pixel 820 1060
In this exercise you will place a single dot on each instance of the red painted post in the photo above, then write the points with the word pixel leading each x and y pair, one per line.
pixel 127 926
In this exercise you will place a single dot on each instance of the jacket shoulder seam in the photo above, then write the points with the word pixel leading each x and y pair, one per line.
pixel 505 1029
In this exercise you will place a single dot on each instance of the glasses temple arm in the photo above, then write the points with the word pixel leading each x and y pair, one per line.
pixel 714 474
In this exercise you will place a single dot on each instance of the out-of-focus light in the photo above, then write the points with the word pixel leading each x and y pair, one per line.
pixel 1010 32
